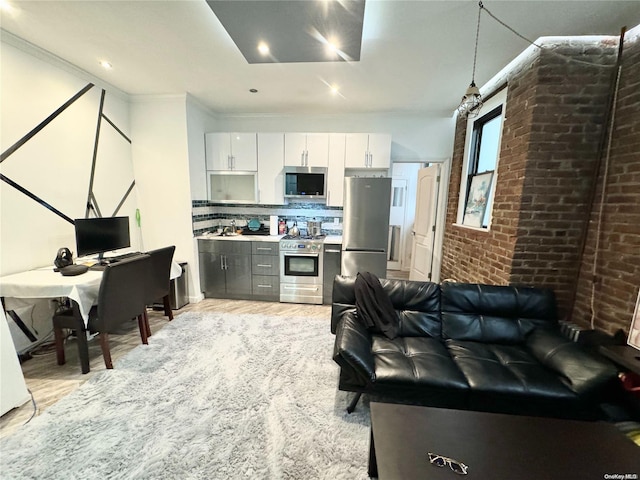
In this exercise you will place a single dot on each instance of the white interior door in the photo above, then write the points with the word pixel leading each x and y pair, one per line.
pixel 397 214
pixel 425 224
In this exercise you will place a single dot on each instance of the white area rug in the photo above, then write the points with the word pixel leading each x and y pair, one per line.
pixel 213 396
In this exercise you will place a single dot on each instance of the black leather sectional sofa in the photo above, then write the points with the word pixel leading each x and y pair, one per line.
pixel 468 346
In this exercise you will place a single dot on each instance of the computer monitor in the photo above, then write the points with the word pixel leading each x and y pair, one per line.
pixel 99 235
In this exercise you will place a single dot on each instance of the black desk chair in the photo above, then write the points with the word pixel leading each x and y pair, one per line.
pixel 121 298
pixel 158 283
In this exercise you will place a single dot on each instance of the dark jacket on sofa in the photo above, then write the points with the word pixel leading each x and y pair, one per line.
pixel 468 346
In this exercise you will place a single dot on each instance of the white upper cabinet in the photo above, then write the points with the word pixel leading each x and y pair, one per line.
pixel 368 150
pixel 231 151
pixel 306 149
pixel 270 163
pixel 335 175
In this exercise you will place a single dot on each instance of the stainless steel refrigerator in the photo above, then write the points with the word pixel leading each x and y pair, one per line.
pixel 365 232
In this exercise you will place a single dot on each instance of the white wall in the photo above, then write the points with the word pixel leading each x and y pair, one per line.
pixel 55 164
pixel 200 120
pixel 161 166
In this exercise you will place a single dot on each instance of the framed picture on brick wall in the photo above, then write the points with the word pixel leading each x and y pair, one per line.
pixel 477 199
pixel 634 331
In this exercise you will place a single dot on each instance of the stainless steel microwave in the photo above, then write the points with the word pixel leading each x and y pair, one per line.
pixel 305 182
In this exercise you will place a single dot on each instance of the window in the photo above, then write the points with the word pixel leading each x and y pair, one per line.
pixel 479 177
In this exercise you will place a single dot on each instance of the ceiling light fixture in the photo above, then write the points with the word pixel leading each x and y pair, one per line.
pixel 5 6
pixel 332 47
pixel 106 65
pixel 334 89
pixel 263 48
pixel 253 90
pixel 472 100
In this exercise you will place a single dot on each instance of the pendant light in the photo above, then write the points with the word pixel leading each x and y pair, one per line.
pixel 472 100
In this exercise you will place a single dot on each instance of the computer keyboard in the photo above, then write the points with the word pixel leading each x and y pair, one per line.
pixel 115 259
pixel 123 256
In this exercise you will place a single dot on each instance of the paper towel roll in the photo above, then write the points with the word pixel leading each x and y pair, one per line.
pixel 273 225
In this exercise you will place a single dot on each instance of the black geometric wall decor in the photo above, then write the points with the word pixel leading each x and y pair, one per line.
pixel 91 202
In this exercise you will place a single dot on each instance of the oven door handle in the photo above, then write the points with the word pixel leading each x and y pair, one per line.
pixel 300 255
pixel 298 287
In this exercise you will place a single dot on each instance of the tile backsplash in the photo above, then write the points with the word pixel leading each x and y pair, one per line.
pixel 206 216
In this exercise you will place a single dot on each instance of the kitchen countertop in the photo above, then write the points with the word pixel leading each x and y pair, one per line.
pixel 243 238
pixel 330 239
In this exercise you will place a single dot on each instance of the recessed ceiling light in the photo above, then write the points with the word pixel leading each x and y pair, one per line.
pixel 334 89
pixel 263 48
pixel 5 6
pixel 106 65
pixel 332 47
pixel 253 90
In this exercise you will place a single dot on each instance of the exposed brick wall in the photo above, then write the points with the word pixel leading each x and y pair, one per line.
pixel 554 113
pixel 618 265
pixel 471 255
pixel 568 112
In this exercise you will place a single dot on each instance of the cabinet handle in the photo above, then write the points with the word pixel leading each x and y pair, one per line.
pixel 226 265
pixel 263 248
pixel 370 159
pixel 263 265
pixel 302 158
pixel 221 262
pixel 306 158
pixel 331 251
pixel 366 158
pixel 264 286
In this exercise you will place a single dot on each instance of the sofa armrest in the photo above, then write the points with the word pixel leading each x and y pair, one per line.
pixel 352 348
pixel 585 373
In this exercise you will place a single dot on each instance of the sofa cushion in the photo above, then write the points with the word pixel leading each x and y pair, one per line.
pixel 412 362
pixel 506 369
pixel 495 314
pixel 416 303
pixel 418 306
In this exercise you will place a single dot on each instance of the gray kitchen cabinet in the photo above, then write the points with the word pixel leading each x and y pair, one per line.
pixel 225 268
pixel 265 268
pixel 331 268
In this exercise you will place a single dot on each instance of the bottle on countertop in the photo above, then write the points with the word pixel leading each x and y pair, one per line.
pixel 282 227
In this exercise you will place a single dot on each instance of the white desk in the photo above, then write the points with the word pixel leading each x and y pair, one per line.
pixel 45 283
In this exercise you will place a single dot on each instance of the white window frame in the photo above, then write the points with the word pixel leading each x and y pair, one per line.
pixel 497 100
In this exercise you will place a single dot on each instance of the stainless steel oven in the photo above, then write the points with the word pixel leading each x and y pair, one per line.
pixel 301 270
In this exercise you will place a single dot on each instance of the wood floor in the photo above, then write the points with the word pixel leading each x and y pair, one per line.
pixel 49 382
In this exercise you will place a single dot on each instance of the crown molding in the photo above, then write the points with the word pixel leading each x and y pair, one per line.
pixel 155 98
pixel 52 59
pixel 194 101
